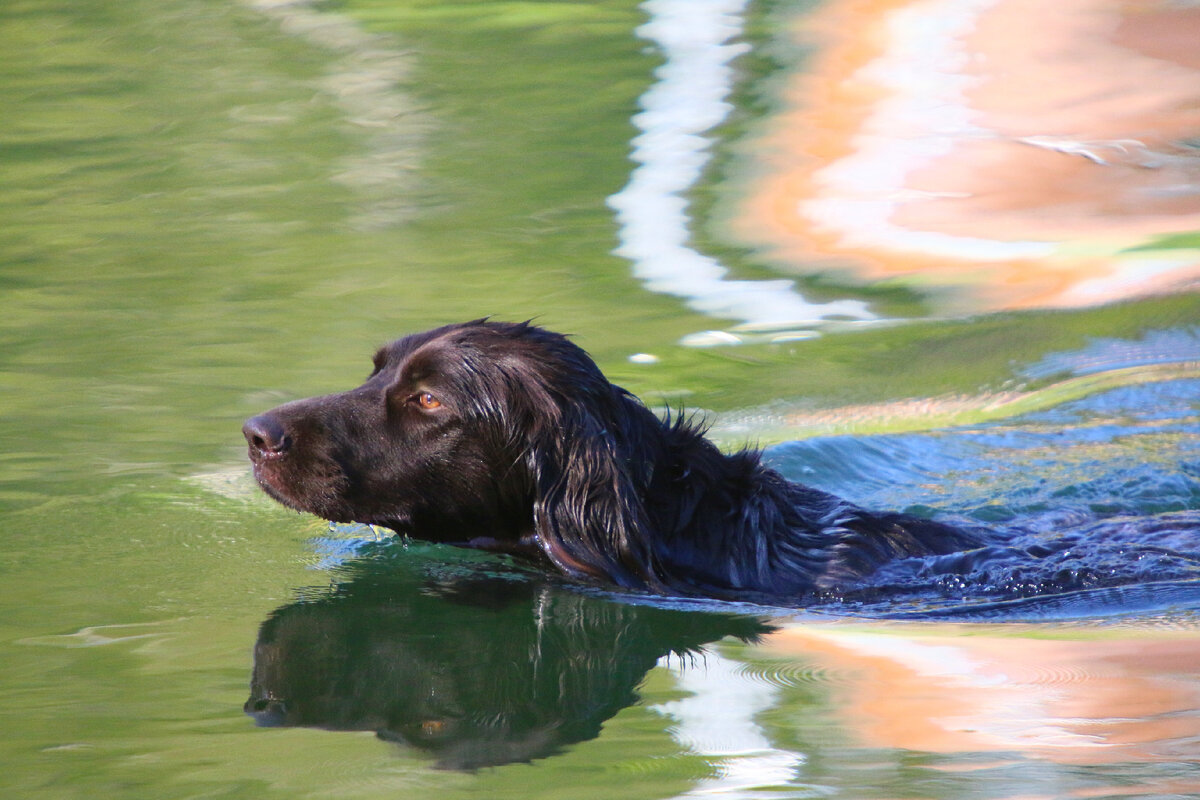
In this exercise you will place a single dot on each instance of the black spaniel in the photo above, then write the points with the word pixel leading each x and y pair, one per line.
pixel 507 437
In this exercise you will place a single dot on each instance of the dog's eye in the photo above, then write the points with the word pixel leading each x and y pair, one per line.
pixel 427 401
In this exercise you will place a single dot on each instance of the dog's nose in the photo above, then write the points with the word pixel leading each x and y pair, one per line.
pixel 266 436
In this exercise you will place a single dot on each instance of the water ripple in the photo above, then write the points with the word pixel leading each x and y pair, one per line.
pixel 793 675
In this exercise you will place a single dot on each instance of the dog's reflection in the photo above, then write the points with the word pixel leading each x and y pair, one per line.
pixel 479 671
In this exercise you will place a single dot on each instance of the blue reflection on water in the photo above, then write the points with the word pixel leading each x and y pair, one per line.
pixel 1103 492
pixel 1101 355
pixel 1132 450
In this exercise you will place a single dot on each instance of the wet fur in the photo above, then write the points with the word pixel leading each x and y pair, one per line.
pixel 532 451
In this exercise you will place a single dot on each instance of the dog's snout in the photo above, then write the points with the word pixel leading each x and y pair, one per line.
pixel 266 436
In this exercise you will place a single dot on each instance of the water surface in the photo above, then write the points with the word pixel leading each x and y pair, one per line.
pixel 212 207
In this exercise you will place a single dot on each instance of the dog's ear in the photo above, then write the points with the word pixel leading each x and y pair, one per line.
pixel 588 512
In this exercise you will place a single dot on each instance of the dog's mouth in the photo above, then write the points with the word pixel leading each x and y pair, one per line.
pixel 268 482
pixel 310 488
pixel 271 482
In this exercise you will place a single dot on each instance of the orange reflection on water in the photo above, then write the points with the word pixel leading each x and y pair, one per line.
pixel 974 690
pixel 1012 150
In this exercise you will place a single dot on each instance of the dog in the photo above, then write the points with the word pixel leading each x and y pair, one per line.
pixel 507 437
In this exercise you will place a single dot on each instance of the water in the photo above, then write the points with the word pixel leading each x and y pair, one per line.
pixel 211 207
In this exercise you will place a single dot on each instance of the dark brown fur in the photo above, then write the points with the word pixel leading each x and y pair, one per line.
pixel 530 450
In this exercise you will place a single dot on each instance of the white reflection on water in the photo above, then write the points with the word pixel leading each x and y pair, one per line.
pixel 717 720
pixel 688 99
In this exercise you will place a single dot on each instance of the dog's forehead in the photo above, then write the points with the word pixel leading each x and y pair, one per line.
pixel 402 354
pixel 440 349
pixel 464 354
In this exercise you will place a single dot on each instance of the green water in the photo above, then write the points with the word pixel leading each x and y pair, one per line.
pixel 209 208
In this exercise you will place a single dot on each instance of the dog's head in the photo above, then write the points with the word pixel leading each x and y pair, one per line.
pixel 486 430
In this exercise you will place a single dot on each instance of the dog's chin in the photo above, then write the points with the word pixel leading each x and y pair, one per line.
pixel 321 503
pixel 326 502
pixel 267 484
